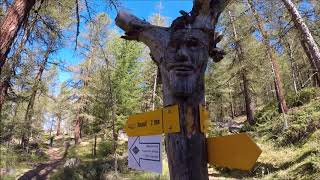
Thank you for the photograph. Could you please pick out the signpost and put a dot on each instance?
(145, 153)
(144, 147)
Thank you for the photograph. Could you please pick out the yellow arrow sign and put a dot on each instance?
(233, 151)
(160, 121)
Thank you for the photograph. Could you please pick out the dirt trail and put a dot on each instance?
(42, 170)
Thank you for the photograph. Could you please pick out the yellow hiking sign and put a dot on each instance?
(160, 121)
(234, 151)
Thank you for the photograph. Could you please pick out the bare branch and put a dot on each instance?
(155, 37)
(78, 22)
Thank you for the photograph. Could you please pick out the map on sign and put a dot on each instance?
(145, 153)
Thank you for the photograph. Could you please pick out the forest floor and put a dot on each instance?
(292, 153)
(43, 170)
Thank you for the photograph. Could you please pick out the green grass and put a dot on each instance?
(292, 153)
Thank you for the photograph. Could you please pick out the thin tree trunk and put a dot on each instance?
(95, 146)
(293, 73)
(77, 128)
(29, 112)
(16, 15)
(274, 65)
(113, 109)
(59, 119)
(154, 89)
(231, 104)
(114, 141)
(248, 100)
(316, 77)
(249, 104)
(307, 37)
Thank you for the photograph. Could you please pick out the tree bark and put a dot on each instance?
(16, 15)
(274, 65)
(307, 37)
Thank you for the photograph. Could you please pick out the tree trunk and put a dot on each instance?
(248, 100)
(232, 113)
(154, 90)
(307, 37)
(293, 69)
(5, 83)
(95, 146)
(29, 112)
(59, 119)
(181, 53)
(274, 65)
(114, 139)
(16, 15)
(316, 77)
(249, 104)
(77, 128)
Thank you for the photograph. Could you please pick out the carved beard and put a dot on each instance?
(183, 86)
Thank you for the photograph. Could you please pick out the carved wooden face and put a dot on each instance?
(185, 61)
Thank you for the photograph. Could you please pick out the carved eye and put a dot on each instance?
(192, 43)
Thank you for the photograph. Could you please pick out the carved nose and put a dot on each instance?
(182, 54)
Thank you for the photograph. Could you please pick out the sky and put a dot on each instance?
(140, 8)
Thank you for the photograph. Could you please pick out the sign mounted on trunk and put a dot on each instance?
(145, 153)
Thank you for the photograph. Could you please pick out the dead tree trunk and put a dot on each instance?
(274, 65)
(17, 14)
(181, 52)
(306, 35)
(293, 69)
(249, 104)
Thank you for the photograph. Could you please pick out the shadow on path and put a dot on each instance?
(42, 171)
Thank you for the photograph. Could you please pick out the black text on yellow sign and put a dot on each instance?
(233, 151)
(160, 121)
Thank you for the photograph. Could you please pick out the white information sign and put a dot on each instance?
(145, 153)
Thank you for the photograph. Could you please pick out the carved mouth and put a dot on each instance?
(182, 69)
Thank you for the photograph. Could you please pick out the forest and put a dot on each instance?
(71, 75)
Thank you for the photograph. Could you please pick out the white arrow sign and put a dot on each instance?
(144, 153)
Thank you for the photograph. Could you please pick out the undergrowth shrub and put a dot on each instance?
(105, 148)
(302, 97)
(302, 123)
(267, 113)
